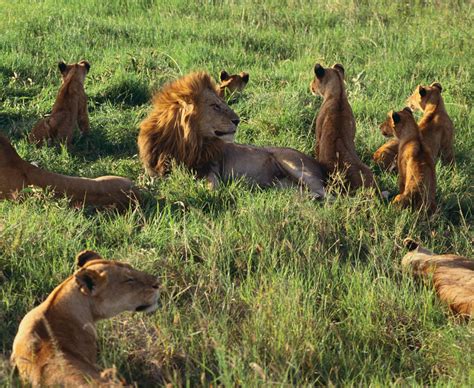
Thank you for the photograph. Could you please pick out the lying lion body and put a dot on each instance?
(56, 343)
(16, 174)
(335, 128)
(452, 277)
(416, 170)
(192, 125)
(70, 107)
(435, 126)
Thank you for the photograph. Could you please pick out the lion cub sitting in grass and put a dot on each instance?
(335, 128)
(70, 107)
(56, 343)
(435, 126)
(416, 170)
(231, 84)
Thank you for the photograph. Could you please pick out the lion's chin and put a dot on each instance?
(227, 137)
(148, 309)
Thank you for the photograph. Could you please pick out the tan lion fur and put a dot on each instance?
(69, 109)
(416, 170)
(436, 127)
(231, 84)
(335, 128)
(192, 125)
(452, 276)
(16, 174)
(56, 343)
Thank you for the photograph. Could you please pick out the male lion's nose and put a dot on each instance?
(235, 122)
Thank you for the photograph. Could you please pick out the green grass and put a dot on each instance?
(259, 286)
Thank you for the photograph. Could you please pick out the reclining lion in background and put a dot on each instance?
(435, 126)
(231, 84)
(70, 107)
(56, 343)
(452, 276)
(16, 173)
(192, 125)
(335, 128)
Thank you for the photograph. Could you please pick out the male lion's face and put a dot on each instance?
(235, 83)
(424, 95)
(115, 287)
(215, 118)
(78, 70)
(402, 123)
(327, 80)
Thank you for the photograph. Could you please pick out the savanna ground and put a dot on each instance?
(259, 286)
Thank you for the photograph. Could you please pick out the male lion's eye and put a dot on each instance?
(216, 107)
(129, 281)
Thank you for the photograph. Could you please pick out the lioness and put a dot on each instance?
(70, 107)
(56, 343)
(191, 124)
(452, 276)
(416, 170)
(16, 173)
(231, 84)
(435, 126)
(335, 128)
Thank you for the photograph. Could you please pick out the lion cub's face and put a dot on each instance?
(231, 84)
(402, 124)
(424, 95)
(216, 119)
(74, 70)
(114, 287)
(327, 80)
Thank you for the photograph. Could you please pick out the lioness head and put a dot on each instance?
(401, 124)
(114, 287)
(327, 80)
(231, 84)
(424, 95)
(74, 70)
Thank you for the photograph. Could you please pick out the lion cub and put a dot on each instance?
(335, 128)
(70, 107)
(56, 343)
(231, 84)
(435, 126)
(416, 170)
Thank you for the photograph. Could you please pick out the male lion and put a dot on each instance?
(435, 126)
(231, 84)
(191, 124)
(416, 170)
(56, 343)
(452, 276)
(70, 107)
(16, 173)
(335, 128)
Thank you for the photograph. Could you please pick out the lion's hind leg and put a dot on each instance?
(40, 132)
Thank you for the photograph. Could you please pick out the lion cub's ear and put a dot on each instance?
(90, 282)
(224, 75)
(422, 91)
(437, 85)
(245, 77)
(408, 110)
(62, 66)
(396, 117)
(86, 64)
(83, 257)
(339, 68)
(319, 70)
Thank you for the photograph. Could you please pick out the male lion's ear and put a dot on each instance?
(339, 67)
(84, 256)
(422, 91)
(224, 75)
(437, 85)
(90, 282)
(62, 66)
(319, 70)
(396, 117)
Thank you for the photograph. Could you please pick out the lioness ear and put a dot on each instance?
(224, 75)
(84, 256)
(90, 282)
(422, 91)
(319, 70)
(339, 67)
(62, 66)
(437, 85)
(396, 117)
(410, 244)
(245, 77)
